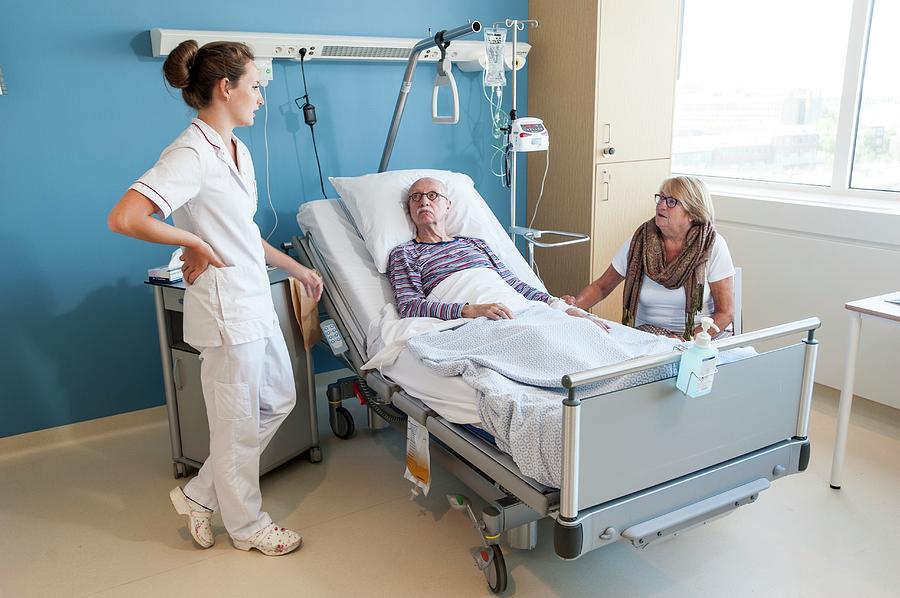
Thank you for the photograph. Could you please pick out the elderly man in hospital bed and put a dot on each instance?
(461, 311)
(417, 268)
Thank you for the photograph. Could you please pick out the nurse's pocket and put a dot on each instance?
(243, 293)
(232, 401)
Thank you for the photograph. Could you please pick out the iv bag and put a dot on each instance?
(494, 44)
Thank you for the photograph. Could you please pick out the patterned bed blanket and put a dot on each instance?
(517, 366)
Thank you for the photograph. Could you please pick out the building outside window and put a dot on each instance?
(799, 92)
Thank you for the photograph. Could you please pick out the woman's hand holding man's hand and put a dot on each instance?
(574, 311)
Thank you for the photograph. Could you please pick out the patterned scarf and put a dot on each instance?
(647, 255)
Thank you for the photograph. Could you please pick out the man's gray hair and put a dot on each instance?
(441, 186)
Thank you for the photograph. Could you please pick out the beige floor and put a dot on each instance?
(84, 512)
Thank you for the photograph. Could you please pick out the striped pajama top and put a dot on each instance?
(415, 269)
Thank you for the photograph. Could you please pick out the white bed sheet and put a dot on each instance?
(367, 291)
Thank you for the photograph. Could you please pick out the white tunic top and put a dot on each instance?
(197, 183)
(664, 307)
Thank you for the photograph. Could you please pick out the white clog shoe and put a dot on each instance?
(271, 540)
(198, 517)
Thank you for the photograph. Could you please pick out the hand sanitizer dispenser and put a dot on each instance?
(698, 364)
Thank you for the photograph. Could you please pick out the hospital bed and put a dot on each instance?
(639, 464)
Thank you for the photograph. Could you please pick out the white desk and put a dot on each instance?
(874, 308)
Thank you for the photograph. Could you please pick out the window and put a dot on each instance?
(762, 92)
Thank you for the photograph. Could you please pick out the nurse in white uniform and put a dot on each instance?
(205, 181)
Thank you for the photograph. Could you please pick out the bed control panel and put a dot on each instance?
(333, 337)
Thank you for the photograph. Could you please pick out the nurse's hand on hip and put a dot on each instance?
(197, 258)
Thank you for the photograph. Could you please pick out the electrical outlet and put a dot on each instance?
(265, 71)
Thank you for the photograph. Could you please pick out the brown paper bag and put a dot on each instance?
(307, 313)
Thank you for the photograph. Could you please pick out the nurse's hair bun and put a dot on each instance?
(197, 71)
(177, 68)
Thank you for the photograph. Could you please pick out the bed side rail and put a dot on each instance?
(578, 379)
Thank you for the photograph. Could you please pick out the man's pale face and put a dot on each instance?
(428, 212)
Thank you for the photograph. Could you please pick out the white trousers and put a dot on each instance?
(248, 390)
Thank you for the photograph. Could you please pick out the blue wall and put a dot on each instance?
(87, 113)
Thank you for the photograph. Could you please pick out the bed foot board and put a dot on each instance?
(643, 534)
(668, 509)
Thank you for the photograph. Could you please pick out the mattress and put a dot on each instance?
(366, 291)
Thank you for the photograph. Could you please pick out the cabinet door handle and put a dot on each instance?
(176, 374)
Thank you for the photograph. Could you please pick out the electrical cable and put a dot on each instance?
(385, 411)
(309, 117)
(537, 270)
(266, 144)
(318, 164)
(541, 194)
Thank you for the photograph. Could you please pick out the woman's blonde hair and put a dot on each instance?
(693, 195)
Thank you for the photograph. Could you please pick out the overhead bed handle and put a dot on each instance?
(429, 42)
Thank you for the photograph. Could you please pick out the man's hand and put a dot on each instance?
(310, 280)
(196, 259)
(568, 299)
(493, 311)
(582, 314)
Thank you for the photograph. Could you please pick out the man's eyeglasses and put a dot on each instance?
(431, 195)
(671, 202)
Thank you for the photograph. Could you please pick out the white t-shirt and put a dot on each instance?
(664, 307)
(198, 184)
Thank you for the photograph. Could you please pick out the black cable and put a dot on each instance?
(303, 72)
(318, 164)
(385, 411)
(507, 159)
(309, 117)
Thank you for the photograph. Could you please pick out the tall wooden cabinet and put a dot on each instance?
(602, 76)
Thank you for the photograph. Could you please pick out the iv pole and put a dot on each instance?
(530, 235)
(516, 26)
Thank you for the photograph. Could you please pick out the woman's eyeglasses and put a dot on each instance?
(431, 195)
(671, 202)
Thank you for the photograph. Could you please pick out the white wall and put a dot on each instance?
(802, 259)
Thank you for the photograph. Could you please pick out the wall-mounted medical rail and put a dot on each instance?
(267, 46)
(423, 46)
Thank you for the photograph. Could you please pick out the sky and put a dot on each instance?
(783, 44)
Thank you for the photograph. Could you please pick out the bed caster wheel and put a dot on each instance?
(342, 423)
(179, 470)
(315, 455)
(495, 574)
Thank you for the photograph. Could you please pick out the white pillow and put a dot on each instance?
(377, 204)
